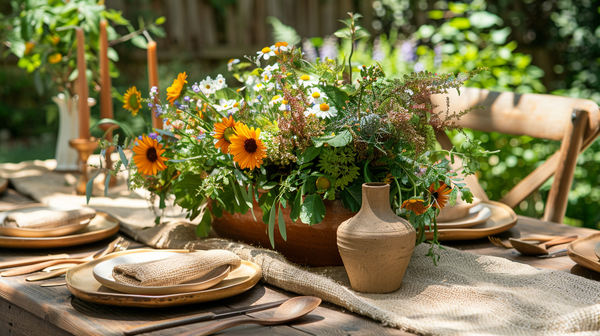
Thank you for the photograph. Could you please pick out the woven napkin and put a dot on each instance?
(45, 219)
(174, 270)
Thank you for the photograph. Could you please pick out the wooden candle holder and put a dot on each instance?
(85, 148)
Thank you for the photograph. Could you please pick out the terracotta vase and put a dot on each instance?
(311, 245)
(376, 245)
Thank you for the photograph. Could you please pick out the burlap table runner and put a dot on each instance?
(466, 294)
(36, 219)
(174, 270)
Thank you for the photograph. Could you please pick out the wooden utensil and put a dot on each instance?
(498, 242)
(535, 249)
(290, 310)
(176, 322)
(40, 266)
(34, 260)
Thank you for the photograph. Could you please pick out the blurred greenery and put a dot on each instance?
(548, 46)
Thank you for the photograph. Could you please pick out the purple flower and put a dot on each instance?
(377, 52)
(196, 88)
(309, 50)
(177, 104)
(419, 67)
(437, 59)
(150, 104)
(329, 48)
(408, 51)
(140, 137)
(153, 135)
(186, 98)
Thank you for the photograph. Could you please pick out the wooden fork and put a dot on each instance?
(40, 266)
(124, 245)
(508, 245)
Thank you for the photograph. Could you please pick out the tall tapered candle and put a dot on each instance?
(106, 103)
(153, 79)
(82, 88)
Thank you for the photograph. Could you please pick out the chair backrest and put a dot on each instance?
(573, 121)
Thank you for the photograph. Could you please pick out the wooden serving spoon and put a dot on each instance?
(527, 248)
(290, 310)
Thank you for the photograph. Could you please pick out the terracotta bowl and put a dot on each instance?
(311, 245)
(458, 211)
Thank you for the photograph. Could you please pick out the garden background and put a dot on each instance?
(529, 45)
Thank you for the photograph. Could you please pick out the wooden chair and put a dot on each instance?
(574, 121)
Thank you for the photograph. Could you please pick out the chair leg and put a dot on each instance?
(556, 204)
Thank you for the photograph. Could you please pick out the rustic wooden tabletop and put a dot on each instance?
(28, 309)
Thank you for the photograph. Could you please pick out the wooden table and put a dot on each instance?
(28, 309)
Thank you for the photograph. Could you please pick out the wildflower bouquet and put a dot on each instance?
(297, 134)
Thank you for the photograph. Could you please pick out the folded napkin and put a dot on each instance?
(45, 219)
(174, 270)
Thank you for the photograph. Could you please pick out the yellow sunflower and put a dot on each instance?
(247, 149)
(148, 157)
(440, 195)
(223, 132)
(415, 205)
(132, 100)
(174, 91)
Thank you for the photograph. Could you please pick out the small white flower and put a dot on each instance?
(285, 106)
(270, 86)
(409, 91)
(259, 86)
(265, 53)
(207, 86)
(219, 82)
(224, 105)
(276, 99)
(316, 96)
(280, 47)
(306, 80)
(322, 111)
(231, 63)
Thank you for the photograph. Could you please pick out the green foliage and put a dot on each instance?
(338, 162)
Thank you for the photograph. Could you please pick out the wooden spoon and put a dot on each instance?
(290, 310)
(597, 250)
(527, 248)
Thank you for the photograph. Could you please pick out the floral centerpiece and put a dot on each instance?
(297, 134)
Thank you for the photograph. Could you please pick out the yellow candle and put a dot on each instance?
(153, 79)
(106, 103)
(82, 88)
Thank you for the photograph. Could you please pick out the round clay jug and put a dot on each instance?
(376, 245)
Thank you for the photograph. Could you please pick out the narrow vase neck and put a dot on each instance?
(376, 197)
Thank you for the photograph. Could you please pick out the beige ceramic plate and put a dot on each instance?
(581, 251)
(103, 274)
(3, 184)
(39, 233)
(81, 283)
(477, 215)
(502, 219)
(102, 226)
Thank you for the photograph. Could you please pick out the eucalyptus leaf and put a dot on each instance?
(123, 157)
(281, 222)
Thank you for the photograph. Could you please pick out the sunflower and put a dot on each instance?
(174, 91)
(440, 195)
(148, 157)
(415, 205)
(223, 131)
(247, 149)
(132, 100)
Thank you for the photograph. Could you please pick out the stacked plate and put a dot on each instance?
(86, 231)
(93, 282)
(477, 220)
(586, 252)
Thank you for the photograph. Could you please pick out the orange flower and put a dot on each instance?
(148, 157)
(174, 91)
(223, 131)
(440, 195)
(28, 47)
(415, 205)
(247, 149)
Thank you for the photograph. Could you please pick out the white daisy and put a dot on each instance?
(265, 53)
(207, 86)
(316, 96)
(270, 86)
(276, 99)
(280, 47)
(219, 82)
(224, 105)
(322, 111)
(231, 63)
(306, 80)
(259, 86)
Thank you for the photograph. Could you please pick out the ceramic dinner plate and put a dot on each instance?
(103, 274)
(581, 251)
(81, 283)
(502, 218)
(41, 232)
(477, 215)
(100, 227)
